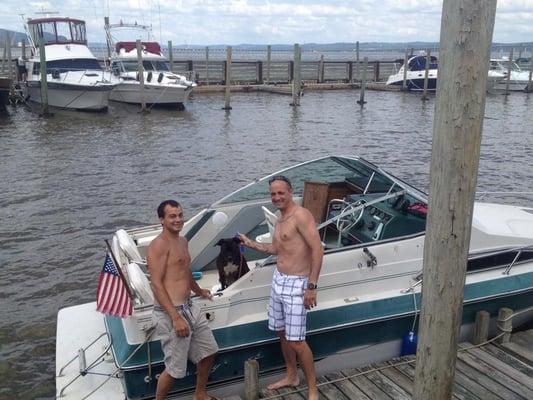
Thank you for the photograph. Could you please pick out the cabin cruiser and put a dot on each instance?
(161, 86)
(518, 79)
(372, 226)
(416, 71)
(75, 79)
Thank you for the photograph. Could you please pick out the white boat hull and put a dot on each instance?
(130, 92)
(71, 97)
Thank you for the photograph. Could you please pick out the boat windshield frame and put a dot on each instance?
(75, 29)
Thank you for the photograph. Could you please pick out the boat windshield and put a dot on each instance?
(356, 172)
(57, 31)
(419, 63)
(133, 66)
(78, 64)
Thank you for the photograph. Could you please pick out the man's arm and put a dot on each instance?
(264, 247)
(157, 265)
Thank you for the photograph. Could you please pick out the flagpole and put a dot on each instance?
(119, 269)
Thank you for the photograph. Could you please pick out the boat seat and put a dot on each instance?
(271, 220)
(140, 284)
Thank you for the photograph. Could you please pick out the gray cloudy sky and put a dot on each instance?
(275, 21)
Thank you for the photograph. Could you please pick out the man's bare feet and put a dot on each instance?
(285, 382)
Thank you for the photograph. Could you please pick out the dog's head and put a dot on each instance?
(229, 250)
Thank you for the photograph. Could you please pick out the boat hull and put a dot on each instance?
(72, 97)
(130, 92)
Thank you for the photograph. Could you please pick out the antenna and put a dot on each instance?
(160, 35)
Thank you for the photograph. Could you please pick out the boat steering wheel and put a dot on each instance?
(344, 224)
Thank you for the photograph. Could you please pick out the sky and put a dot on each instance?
(232, 22)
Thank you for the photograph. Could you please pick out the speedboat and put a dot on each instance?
(74, 77)
(161, 86)
(372, 226)
(518, 80)
(416, 70)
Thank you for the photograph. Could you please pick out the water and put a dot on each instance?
(66, 183)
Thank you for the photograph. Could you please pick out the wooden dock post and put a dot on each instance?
(357, 66)
(207, 66)
(509, 69)
(170, 56)
(269, 59)
(251, 380)
(426, 75)
(321, 69)
(405, 61)
(9, 59)
(466, 35)
(4, 56)
(44, 82)
(227, 93)
(23, 50)
(140, 73)
(296, 85)
(481, 327)
(505, 324)
(106, 26)
(361, 100)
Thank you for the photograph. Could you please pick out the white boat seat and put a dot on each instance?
(140, 284)
(271, 220)
(128, 247)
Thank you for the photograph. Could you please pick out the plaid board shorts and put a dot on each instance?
(286, 310)
(198, 345)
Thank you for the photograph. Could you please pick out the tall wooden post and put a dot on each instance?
(269, 59)
(106, 25)
(140, 73)
(227, 95)
(44, 82)
(466, 34)
(426, 75)
(9, 60)
(509, 71)
(321, 69)
(170, 56)
(296, 82)
(251, 380)
(405, 67)
(357, 66)
(4, 56)
(361, 100)
(23, 50)
(207, 65)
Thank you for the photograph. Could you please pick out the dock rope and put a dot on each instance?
(460, 349)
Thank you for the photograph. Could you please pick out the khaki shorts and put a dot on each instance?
(197, 346)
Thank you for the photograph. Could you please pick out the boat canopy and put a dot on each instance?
(57, 30)
(150, 47)
(418, 63)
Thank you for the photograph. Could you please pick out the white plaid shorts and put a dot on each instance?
(286, 311)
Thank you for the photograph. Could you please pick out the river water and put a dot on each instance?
(68, 182)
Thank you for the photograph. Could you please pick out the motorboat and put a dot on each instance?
(415, 75)
(372, 226)
(161, 86)
(75, 79)
(518, 80)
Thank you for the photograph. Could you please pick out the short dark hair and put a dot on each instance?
(161, 208)
(280, 178)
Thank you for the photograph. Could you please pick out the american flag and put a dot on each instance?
(111, 295)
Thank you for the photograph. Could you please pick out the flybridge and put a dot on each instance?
(57, 30)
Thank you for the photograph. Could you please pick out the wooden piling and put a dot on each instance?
(140, 73)
(207, 66)
(465, 41)
(505, 324)
(44, 82)
(170, 56)
(357, 66)
(481, 327)
(9, 59)
(296, 86)
(321, 69)
(361, 100)
(426, 75)
(4, 56)
(251, 380)
(269, 58)
(509, 69)
(23, 50)
(227, 94)
(405, 61)
(106, 27)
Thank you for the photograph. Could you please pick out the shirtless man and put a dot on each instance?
(182, 329)
(296, 243)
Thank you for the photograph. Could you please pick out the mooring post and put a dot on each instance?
(465, 41)
(9, 60)
(296, 87)
(361, 100)
(405, 61)
(505, 324)
(44, 82)
(520, 49)
(140, 73)
(170, 56)
(481, 327)
(227, 94)
(251, 380)
(23, 49)
(207, 65)
(509, 70)
(269, 59)
(321, 69)
(357, 66)
(4, 55)
(426, 75)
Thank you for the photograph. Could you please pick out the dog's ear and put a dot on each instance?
(219, 243)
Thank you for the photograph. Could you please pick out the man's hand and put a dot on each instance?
(205, 293)
(309, 298)
(245, 240)
(181, 327)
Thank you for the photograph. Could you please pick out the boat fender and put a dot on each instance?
(128, 246)
(409, 343)
(160, 77)
(149, 77)
(55, 73)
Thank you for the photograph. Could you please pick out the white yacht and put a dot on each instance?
(161, 86)
(74, 77)
(416, 71)
(518, 79)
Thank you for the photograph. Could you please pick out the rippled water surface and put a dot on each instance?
(67, 182)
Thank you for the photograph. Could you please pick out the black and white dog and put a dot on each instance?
(231, 263)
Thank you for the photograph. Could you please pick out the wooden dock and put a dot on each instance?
(489, 372)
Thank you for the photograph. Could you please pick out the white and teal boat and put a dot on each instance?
(372, 226)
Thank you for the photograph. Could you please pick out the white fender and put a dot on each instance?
(128, 246)
(140, 284)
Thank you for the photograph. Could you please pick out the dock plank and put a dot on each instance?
(523, 339)
(519, 351)
(366, 385)
(347, 387)
(509, 359)
(386, 384)
(329, 391)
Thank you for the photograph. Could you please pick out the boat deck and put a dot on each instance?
(492, 371)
